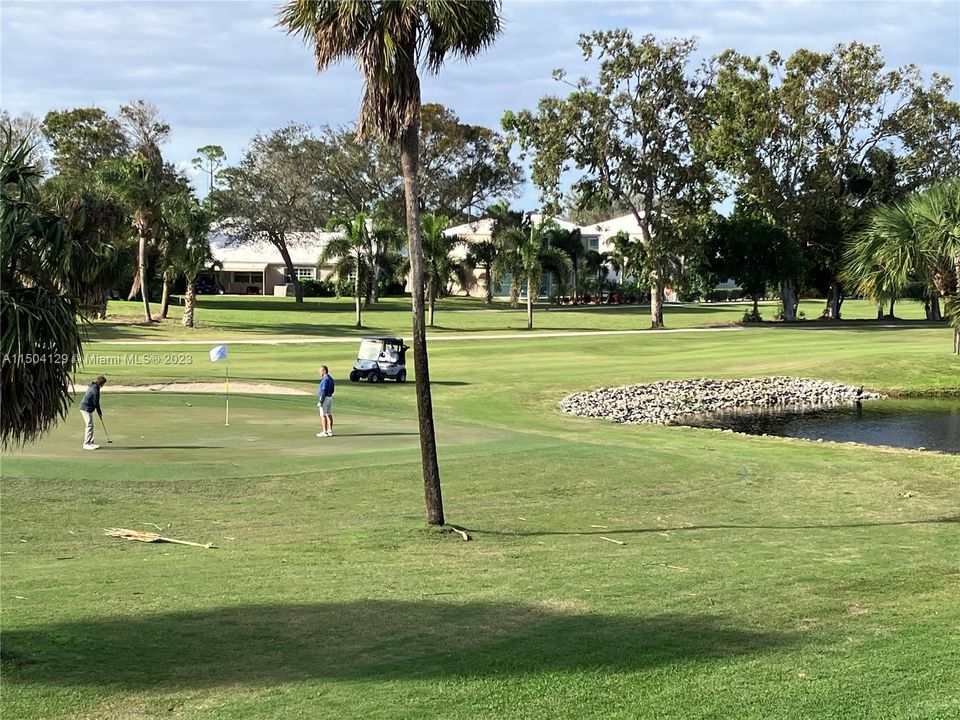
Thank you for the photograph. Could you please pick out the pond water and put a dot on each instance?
(933, 424)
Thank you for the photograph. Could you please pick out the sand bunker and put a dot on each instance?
(240, 388)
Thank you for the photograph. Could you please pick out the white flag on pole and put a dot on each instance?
(218, 353)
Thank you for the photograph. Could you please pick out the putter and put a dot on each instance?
(104, 426)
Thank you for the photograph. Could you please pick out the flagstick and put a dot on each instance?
(226, 388)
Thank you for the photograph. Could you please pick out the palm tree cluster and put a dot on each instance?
(524, 253)
(365, 255)
(914, 240)
(39, 303)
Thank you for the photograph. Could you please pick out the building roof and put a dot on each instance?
(624, 223)
(484, 226)
(304, 248)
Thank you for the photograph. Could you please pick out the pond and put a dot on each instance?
(932, 424)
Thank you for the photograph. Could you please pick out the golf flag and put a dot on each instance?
(220, 353)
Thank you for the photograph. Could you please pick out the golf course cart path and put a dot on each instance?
(431, 338)
(243, 388)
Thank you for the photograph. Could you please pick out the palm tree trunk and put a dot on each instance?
(165, 298)
(488, 299)
(431, 302)
(576, 282)
(935, 313)
(409, 149)
(373, 292)
(190, 302)
(893, 302)
(529, 304)
(142, 271)
(358, 303)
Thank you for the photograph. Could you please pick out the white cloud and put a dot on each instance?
(221, 71)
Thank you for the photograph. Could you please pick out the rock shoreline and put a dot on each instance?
(670, 401)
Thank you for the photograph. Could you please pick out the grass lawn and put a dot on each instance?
(238, 317)
(759, 577)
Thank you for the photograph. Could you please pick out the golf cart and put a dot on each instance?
(380, 358)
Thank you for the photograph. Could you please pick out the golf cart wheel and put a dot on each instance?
(402, 376)
(374, 377)
(354, 376)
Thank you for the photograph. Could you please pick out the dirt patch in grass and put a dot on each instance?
(243, 388)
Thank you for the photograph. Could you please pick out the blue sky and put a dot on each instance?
(220, 71)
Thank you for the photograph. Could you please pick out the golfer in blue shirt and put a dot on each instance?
(325, 401)
(89, 405)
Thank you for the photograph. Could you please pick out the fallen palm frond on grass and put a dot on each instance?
(151, 537)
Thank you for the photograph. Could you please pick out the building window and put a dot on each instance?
(244, 278)
(593, 243)
(302, 273)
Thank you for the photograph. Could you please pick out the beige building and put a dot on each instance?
(255, 267)
(478, 231)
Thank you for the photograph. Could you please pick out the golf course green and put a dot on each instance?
(614, 571)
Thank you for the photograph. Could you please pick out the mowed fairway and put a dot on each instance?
(759, 577)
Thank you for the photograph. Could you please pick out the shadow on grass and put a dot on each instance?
(361, 640)
(638, 531)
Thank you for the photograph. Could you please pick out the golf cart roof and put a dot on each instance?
(390, 340)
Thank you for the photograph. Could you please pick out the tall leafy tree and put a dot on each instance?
(82, 138)
(752, 251)
(209, 160)
(633, 134)
(813, 141)
(390, 41)
(27, 129)
(357, 174)
(462, 167)
(272, 193)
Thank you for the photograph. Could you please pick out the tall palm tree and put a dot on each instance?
(188, 253)
(352, 253)
(386, 242)
(194, 259)
(440, 266)
(99, 229)
(38, 316)
(526, 252)
(918, 238)
(390, 40)
(483, 255)
(508, 228)
(570, 242)
(599, 264)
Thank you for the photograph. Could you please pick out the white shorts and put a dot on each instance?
(326, 406)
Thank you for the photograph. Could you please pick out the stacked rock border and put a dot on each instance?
(671, 401)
